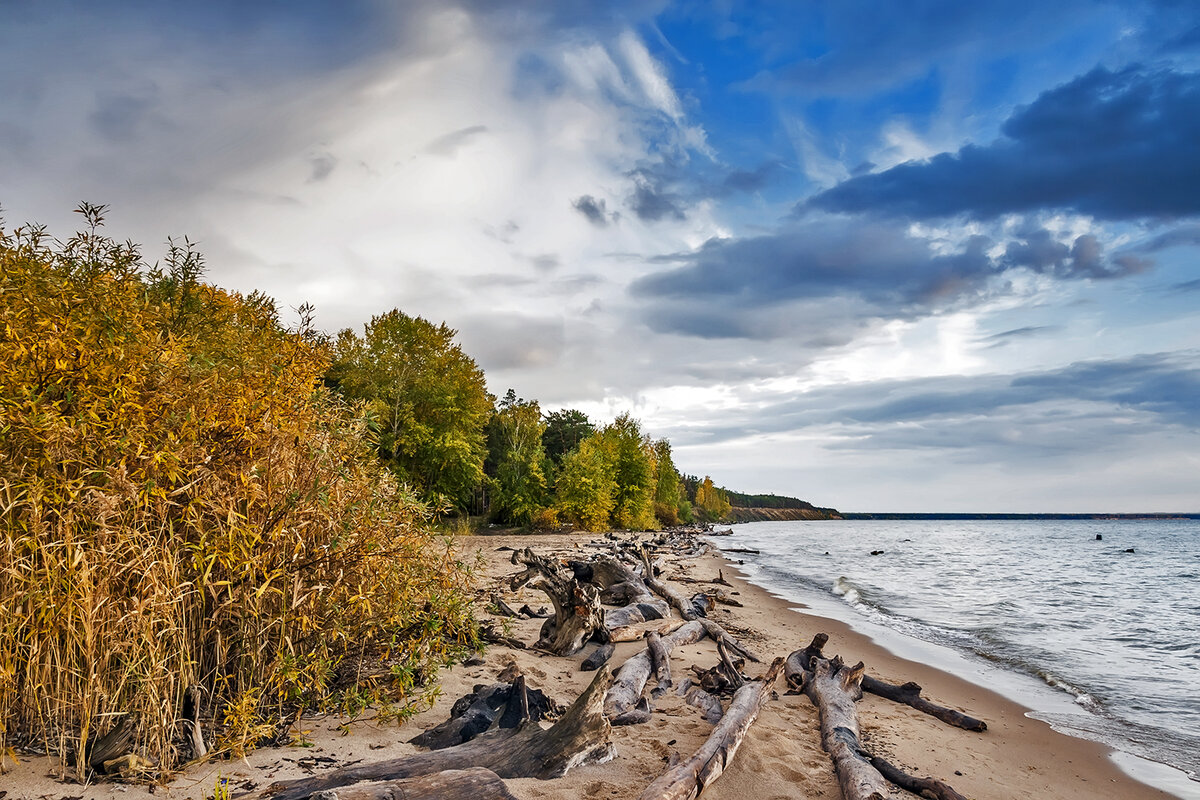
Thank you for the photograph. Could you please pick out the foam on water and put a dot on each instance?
(1116, 633)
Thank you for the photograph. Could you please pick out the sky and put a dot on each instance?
(884, 256)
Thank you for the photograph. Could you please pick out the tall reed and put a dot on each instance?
(183, 504)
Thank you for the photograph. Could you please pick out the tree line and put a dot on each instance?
(463, 450)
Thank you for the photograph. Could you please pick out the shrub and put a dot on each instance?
(185, 504)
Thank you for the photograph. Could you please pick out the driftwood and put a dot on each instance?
(910, 694)
(580, 736)
(931, 788)
(598, 658)
(682, 604)
(633, 633)
(660, 660)
(489, 633)
(504, 705)
(718, 634)
(112, 746)
(749, 550)
(637, 715)
(577, 612)
(834, 688)
(475, 783)
(632, 676)
(502, 608)
(191, 722)
(689, 778)
(696, 696)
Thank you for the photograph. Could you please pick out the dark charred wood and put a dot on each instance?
(529, 613)
(112, 745)
(931, 788)
(503, 705)
(702, 603)
(749, 550)
(910, 694)
(687, 779)
(580, 736)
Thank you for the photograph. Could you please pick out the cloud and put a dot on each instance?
(595, 210)
(733, 286)
(1114, 145)
(449, 144)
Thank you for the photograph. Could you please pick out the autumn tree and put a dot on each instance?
(711, 502)
(515, 458)
(632, 465)
(585, 491)
(426, 401)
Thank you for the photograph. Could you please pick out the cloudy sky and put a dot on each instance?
(920, 255)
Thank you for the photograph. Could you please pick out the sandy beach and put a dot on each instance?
(781, 757)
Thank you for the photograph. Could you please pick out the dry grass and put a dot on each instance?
(184, 504)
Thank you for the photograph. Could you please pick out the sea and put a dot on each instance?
(1093, 624)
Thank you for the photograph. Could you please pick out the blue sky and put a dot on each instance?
(883, 256)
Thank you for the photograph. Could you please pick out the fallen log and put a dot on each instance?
(910, 694)
(696, 696)
(718, 634)
(665, 591)
(632, 633)
(504, 705)
(660, 660)
(931, 788)
(687, 779)
(749, 550)
(834, 688)
(632, 676)
(475, 783)
(598, 658)
(580, 736)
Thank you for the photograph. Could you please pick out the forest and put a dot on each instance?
(203, 505)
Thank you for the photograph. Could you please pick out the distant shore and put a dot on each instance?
(955, 515)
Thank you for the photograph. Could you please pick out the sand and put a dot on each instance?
(781, 757)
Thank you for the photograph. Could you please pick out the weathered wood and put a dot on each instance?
(577, 612)
(719, 634)
(192, 702)
(112, 745)
(749, 550)
(833, 688)
(580, 736)
(633, 633)
(637, 715)
(910, 694)
(707, 703)
(661, 588)
(502, 608)
(733, 670)
(931, 788)
(799, 664)
(632, 676)
(475, 783)
(687, 779)
(484, 708)
(702, 603)
(598, 658)
(660, 660)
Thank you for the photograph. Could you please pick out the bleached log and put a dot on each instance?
(580, 736)
(660, 661)
(833, 688)
(475, 783)
(632, 676)
(687, 779)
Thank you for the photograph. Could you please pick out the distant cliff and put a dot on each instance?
(739, 514)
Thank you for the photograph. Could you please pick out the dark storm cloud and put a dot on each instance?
(876, 263)
(651, 201)
(1116, 145)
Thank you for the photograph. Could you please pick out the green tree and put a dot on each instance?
(585, 491)
(426, 401)
(631, 462)
(515, 457)
(668, 494)
(565, 429)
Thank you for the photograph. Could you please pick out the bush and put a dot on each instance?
(185, 504)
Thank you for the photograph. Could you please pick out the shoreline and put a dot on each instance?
(950, 665)
(1018, 758)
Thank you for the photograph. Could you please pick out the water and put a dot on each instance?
(1116, 634)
